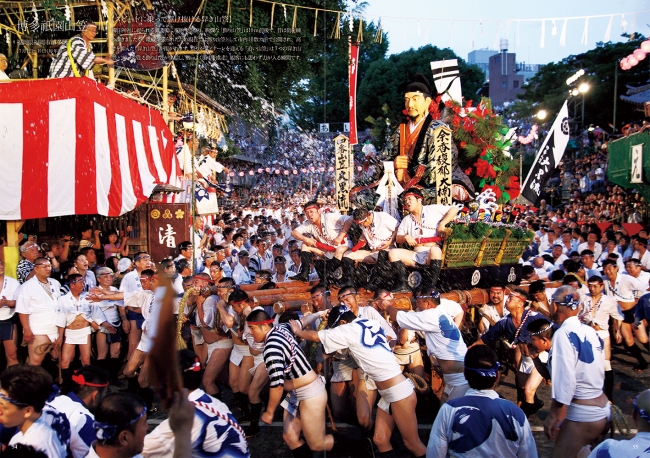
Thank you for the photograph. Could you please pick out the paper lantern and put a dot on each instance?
(623, 64)
(312, 168)
(277, 172)
(632, 60)
(232, 174)
(295, 172)
(645, 46)
(241, 174)
(639, 54)
(260, 170)
(331, 169)
(268, 170)
(359, 168)
(251, 173)
(286, 172)
(322, 169)
(303, 170)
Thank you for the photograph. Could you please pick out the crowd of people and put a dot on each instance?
(88, 319)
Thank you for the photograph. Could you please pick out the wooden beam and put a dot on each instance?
(111, 43)
(11, 251)
(165, 93)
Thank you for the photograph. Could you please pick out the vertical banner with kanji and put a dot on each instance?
(343, 173)
(352, 74)
(548, 157)
(442, 158)
(169, 225)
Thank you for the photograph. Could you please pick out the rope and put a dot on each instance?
(619, 422)
(419, 383)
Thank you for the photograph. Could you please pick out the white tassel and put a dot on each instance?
(563, 34)
(623, 23)
(104, 9)
(351, 23)
(585, 33)
(541, 42)
(554, 29)
(609, 29)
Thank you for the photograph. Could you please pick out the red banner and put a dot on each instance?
(352, 74)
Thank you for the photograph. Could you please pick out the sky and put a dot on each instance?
(457, 24)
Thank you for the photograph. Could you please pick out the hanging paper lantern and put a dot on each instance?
(260, 170)
(303, 170)
(331, 169)
(241, 174)
(639, 54)
(232, 174)
(277, 172)
(623, 64)
(268, 170)
(359, 168)
(295, 172)
(312, 168)
(632, 60)
(251, 173)
(286, 172)
(645, 46)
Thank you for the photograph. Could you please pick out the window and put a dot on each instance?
(497, 59)
(504, 85)
(515, 84)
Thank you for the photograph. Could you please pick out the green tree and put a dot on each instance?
(379, 96)
(265, 79)
(548, 88)
(324, 96)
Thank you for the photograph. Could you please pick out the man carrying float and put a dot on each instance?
(422, 230)
(328, 241)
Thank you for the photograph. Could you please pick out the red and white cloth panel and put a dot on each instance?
(71, 146)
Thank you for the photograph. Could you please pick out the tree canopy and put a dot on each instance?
(548, 88)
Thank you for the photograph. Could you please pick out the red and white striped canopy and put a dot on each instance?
(71, 146)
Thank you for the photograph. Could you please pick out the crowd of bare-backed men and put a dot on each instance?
(369, 364)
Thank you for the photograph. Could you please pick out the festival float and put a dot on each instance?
(122, 129)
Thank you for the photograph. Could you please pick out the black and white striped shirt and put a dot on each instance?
(82, 55)
(283, 357)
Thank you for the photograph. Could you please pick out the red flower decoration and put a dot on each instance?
(468, 171)
(463, 144)
(513, 187)
(484, 169)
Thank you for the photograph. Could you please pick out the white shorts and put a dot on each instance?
(342, 370)
(223, 343)
(197, 337)
(527, 365)
(238, 353)
(257, 360)
(77, 336)
(393, 394)
(292, 401)
(146, 344)
(370, 384)
(588, 414)
(50, 331)
(455, 385)
(421, 255)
